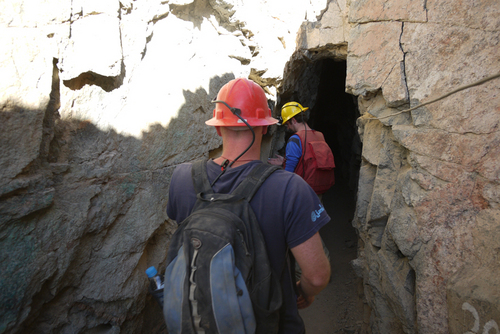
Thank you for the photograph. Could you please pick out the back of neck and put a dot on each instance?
(241, 161)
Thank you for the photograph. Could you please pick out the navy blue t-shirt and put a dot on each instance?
(288, 210)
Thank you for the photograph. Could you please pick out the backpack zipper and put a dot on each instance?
(243, 242)
(192, 289)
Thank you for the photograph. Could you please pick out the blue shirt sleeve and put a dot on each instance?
(293, 153)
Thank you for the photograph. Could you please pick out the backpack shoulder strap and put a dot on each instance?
(249, 186)
(200, 177)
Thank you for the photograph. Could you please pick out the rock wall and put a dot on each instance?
(428, 192)
(428, 200)
(101, 100)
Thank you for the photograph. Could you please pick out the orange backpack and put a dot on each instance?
(317, 163)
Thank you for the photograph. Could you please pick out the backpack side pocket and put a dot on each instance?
(231, 301)
(173, 295)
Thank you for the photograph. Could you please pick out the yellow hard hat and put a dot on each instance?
(289, 110)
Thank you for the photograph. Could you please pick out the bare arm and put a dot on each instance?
(315, 269)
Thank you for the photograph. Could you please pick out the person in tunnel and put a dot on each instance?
(287, 210)
(307, 154)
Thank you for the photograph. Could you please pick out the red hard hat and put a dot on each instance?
(247, 96)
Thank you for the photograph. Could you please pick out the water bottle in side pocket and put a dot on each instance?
(155, 285)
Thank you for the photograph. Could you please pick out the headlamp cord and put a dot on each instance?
(225, 165)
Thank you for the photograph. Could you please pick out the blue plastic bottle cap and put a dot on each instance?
(151, 272)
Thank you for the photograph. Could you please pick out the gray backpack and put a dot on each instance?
(218, 277)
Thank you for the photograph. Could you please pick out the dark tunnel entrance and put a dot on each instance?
(334, 114)
(321, 87)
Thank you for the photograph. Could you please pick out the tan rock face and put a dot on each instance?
(446, 183)
(374, 60)
(372, 11)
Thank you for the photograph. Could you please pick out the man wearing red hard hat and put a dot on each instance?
(287, 210)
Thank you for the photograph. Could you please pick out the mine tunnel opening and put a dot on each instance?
(334, 112)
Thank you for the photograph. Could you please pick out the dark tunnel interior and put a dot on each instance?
(334, 114)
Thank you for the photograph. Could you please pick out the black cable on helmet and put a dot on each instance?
(237, 113)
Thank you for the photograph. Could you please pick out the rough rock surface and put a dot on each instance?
(100, 100)
(428, 185)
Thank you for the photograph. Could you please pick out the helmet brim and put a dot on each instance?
(252, 122)
(289, 117)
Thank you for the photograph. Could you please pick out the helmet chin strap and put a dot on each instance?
(237, 113)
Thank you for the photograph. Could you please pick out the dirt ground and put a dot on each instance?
(338, 308)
